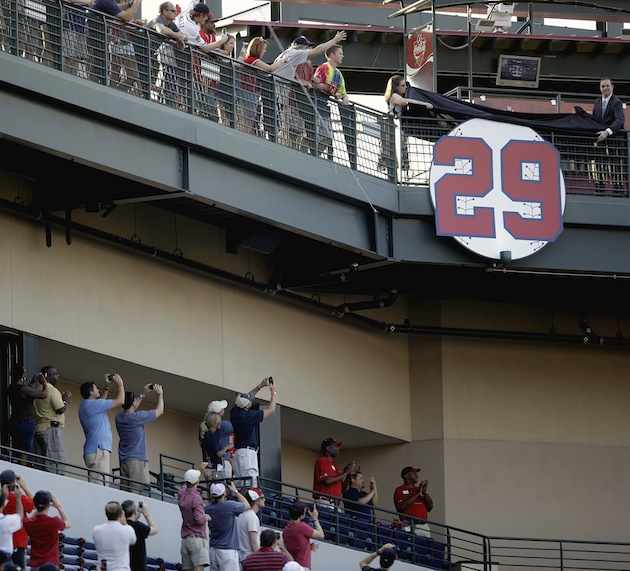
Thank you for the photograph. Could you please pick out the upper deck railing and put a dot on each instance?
(215, 87)
(346, 523)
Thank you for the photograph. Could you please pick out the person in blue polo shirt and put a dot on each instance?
(95, 422)
(245, 422)
(132, 448)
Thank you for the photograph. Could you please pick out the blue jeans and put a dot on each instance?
(22, 433)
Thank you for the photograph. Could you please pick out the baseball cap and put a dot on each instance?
(192, 476)
(254, 495)
(217, 406)
(217, 490)
(7, 477)
(292, 566)
(387, 557)
(330, 441)
(302, 41)
(243, 400)
(201, 8)
(408, 469)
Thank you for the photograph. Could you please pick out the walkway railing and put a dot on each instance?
(429, 543)
(143, 63)
(588, 168)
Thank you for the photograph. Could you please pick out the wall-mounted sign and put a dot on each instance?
(497, 189)
(419, 50)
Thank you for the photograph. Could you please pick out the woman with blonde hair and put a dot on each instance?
(217, 439)
(396, 101)
(249, 92)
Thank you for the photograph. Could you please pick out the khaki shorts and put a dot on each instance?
(194, 552)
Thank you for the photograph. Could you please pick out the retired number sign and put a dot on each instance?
(496, 188)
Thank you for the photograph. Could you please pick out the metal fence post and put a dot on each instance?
(191, 99)
(233, 94)
(61, 34)
(106, 48)
(486, 549)
(16, 17)
(149, 64)
(561, 557)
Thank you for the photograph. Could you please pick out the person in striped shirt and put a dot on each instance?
(272, 556)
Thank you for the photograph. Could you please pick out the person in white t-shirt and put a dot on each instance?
(248, 525)
(113, 539)
(291, 127)
(10, 523)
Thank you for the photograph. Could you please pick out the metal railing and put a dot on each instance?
(545, 101)
(349, 524)
(143, 63)
(587, 168)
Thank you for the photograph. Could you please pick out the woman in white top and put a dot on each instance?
(396, 102)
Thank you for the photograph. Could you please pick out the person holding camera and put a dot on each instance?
(22, 397)
(272, 556)
(132, 448)
(246, 422)
(18, 496)
(138, 551)
(413, 499)
(10, 523)
(113, 539)
(222, 524)
(387, 557)
(217, 439)
(297, 534)
(43, 530)
(50, 417)
(95, 422)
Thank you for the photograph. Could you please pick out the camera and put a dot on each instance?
(109, 378)
(140, 505)
(151, 387)
(270, 379)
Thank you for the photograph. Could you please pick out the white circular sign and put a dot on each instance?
(496, 188)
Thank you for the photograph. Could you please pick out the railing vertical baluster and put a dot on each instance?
(61, 34)
(315, 100)
(448, 544)
(106, 50)
(486, 549)
(627, 164)
(161, 477)
(149, 64)
(191, 63)
(233, 66)
(561, 557)
(16, 18)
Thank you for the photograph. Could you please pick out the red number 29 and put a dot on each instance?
(544, 189)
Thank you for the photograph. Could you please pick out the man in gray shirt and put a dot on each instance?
(222, 524)
(292, 98)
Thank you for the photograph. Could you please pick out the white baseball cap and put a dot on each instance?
(217, 490)
(292, 566)
(243, 400)
(217, 406)
(254, 495)
(192, 476)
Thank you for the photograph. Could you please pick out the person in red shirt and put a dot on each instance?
(20, 538)
(297, 535)
(44, 530)
(327, 478)
(412, 499)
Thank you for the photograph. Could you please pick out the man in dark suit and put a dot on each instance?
(608, 110)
